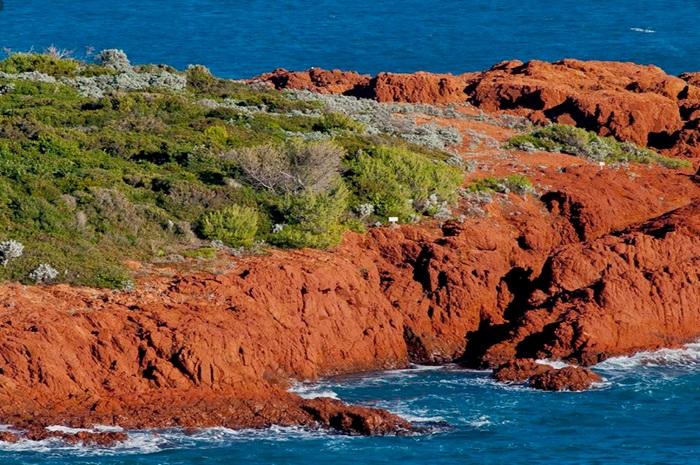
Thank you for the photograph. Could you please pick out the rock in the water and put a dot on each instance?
(565, 379)
(519, 370)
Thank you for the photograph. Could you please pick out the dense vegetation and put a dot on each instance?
(86, 183)
(587, 144)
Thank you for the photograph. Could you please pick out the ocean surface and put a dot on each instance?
(242, 38)
(646, 412)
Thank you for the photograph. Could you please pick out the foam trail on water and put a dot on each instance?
(642, 30)
(144, 442)
(686, 356)
(558, 364)
(312, 391)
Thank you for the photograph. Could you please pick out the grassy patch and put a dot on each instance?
(575, 141)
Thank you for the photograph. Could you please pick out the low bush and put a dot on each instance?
(310, 219)
(330, 122)
(203, 84)
(401, 183)
(41, 62)
(235, 225)
(43, 274)
(290, 168)
(10, 250)
(576, 141)
(514, 183)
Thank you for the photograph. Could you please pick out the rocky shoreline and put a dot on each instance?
(598, 261)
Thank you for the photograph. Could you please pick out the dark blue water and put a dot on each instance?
(644, 413)
(241, 38)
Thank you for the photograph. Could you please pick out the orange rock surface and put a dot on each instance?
(600, 261)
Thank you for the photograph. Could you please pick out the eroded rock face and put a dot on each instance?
(599, 262)
(321, 81)
(420, 88)
(628, 101)
(614, 295)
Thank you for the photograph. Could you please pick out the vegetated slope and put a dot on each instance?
(100, 163)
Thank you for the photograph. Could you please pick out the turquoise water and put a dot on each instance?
(241, 38)
(644, 413)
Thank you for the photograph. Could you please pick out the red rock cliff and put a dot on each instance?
(600, 262)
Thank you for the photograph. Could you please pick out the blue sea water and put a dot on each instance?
(242, 38)
(645, 412)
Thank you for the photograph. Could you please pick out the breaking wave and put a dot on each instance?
(687, 356)
(144, 442)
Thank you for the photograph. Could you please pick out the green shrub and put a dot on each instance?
(41, 62)
(217, 135)
(330, 122)
(310, 219)
(235, 226)
(206, 253)
(514, 183)
(576, 141)
(399, 182)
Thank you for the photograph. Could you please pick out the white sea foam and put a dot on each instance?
(145, 442)
(642, 30)
(686, 356)
(413, 414)
(557, 364)
(312, 391)
(480, 422)
(325, 387)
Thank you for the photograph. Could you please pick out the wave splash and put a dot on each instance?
(144, 442)
(642, 30)
(687, 356)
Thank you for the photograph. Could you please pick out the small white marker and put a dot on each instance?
(393, 219)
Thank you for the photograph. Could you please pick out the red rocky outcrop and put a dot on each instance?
(546, 377)
(641, 104)
(601, 262)
(565, 379)
(319, 80)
